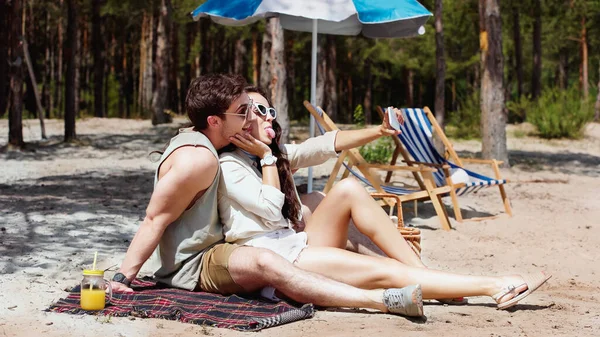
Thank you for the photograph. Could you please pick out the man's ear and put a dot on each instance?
(213, 121)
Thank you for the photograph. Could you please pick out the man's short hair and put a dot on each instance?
(211, 95)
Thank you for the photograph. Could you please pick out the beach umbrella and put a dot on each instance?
(372, 18)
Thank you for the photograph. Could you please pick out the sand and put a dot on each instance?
(59, 203)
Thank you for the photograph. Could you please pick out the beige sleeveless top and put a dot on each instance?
(177, 259)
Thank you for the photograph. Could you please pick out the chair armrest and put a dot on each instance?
(385, 167)
(480, 161)
(439, 166)
(492, 162)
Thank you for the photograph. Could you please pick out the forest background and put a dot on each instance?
(135, 59)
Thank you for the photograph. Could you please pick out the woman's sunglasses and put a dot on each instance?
(263, 110)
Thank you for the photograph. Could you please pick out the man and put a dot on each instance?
(182, 226)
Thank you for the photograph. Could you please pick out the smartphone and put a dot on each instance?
(393, 119)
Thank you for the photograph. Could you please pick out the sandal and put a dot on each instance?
(532, 281)
(407, 301)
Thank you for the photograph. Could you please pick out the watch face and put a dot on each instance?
(269, 160)
(118, 277)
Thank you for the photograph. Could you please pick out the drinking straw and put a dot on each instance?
(95, 257)
(94, 265)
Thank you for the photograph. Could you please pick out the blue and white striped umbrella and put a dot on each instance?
(374, 18)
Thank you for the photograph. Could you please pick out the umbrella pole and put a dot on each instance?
(313, 94)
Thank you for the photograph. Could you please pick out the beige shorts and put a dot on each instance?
(215, 277)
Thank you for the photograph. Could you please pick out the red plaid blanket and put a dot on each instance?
(155, 301)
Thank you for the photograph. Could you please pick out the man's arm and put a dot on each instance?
(350, 139)
(189, 172)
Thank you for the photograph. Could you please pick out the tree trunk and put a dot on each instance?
(97, 50)
(29, 105)
(563, 63)
(240, 52)
(15, 114)
(453, 103)
(59, 65)
(71, 77)
(79, 60)
(585, 85)
(83, 65)
(273, 75)
(119, 73)
(190, 34)
(49, 64)
(110, 70)
(536, 84)
(597, 114)
(4, 45)
(290, 64)
(331, 96)
(127, 76)
(161, 67)
(410, 88)
(146, 67)
(205, 53)
(493, 118)
(367, 99)
(174, 80)
(518, 49)
(256, 54)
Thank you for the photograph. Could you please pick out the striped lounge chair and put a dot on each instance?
(353, 163)
(415, 144)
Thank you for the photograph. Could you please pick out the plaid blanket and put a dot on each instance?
(155, 301)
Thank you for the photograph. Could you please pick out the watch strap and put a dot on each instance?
(121, 278)
(269, 159)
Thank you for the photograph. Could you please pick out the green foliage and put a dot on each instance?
(379, 151)
(466, 120)
(113, 97)
(359, 116)
(517, 110)
(561, 114)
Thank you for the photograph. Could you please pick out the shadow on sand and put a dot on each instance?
(565, 162)
(61, 213)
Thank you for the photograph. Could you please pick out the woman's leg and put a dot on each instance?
(357, 242)
(348, 199)
(368, 272)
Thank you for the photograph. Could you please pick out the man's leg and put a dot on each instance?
(254, 268)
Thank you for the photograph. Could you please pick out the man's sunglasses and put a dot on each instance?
(247, 108)
(263, 110)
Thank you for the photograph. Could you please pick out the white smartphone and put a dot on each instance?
(393, 119)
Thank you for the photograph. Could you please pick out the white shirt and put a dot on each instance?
(247, 207)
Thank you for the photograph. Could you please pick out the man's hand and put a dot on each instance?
(120, 287)
(386, 129)
(250, 144)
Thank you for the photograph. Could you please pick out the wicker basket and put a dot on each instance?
(412, 235)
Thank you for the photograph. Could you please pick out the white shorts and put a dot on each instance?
(285, 242)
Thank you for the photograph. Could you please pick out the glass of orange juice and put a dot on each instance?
(93, 290)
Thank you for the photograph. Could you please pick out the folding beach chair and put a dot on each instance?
(367, 173)
(416, 140)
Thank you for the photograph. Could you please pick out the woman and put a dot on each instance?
(259, 206)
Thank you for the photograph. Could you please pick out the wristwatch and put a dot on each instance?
(268, 160)
(119, 277)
